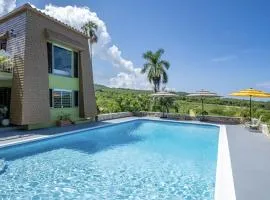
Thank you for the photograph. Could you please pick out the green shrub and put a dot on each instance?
(217, 111)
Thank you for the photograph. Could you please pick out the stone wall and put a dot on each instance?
(176, 116)
(222, 119)
(173, 116)
(109, 116)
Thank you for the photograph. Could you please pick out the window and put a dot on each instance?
(62, 99)
(3, 44)
(62, 61)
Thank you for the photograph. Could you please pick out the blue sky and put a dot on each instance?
(217, 45)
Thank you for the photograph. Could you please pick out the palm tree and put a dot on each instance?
(90, 28)
(156, 68)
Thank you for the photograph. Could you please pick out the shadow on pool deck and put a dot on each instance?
(10, 135)
(250, 157)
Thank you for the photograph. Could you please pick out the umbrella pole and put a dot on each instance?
(250, 114)
(202, 106)
(163, 107)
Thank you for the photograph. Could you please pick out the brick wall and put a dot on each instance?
(16, 48)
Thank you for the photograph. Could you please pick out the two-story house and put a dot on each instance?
(51, 71)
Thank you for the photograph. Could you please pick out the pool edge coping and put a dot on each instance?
(224, 183)
(224, 188)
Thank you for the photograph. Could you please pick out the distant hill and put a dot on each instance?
(99, 87)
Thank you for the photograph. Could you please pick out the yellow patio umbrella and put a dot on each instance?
(251, 93)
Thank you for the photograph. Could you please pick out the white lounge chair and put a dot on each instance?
(254, 124)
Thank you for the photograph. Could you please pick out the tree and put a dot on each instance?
(90, 29)
(2, 59)
(3, 56)
(156, 68)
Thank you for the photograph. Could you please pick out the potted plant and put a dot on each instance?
(64, 120)
(3, 116)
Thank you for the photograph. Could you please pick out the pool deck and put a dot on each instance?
(250, 159)
(249, 151)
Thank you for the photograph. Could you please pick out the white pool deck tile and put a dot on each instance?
(249, 154)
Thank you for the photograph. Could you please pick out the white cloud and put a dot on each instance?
(77, 17)
(117, 59)
(129, 76)
(116, 56)
(6, 6)
(129, 80)
(224, 58)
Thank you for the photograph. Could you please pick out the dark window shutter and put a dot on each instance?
(76, 98)
(51, 100)
(49, 49)
(3, 44)
(76, 64)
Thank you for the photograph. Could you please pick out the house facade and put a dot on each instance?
(50, 74)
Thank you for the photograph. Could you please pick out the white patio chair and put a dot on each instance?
(254, 124)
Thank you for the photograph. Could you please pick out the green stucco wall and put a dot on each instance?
(6, 83)
(66, 83)
(5, 79)
(61, 82)
(57, 112)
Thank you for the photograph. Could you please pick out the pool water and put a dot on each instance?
(141, 159)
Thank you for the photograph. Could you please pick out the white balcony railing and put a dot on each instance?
(6, 66)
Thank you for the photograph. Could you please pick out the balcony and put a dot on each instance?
(6, 67)
(6, 70)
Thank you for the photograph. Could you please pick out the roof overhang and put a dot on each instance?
(29, 7)
(63, 39)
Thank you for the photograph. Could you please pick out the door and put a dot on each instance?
(5, 94)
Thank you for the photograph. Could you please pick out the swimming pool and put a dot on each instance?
(141, 159)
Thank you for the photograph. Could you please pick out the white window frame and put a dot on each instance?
(62, 90)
